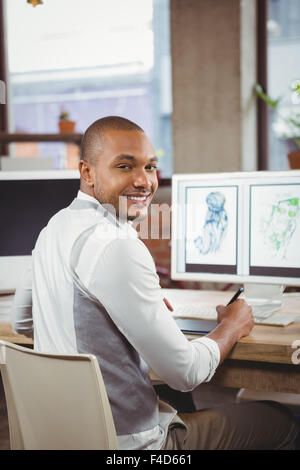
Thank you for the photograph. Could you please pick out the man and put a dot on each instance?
(95, 290)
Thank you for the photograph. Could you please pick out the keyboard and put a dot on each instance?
(261, 316)
(195, 311)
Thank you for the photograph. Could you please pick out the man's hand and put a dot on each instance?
(234, 322)
(238, 313)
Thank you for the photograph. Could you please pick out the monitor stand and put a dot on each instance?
(264, 298)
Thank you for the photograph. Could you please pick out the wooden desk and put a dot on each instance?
(260, 361)
(6, 332)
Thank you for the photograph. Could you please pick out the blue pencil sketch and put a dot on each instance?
(215, 226)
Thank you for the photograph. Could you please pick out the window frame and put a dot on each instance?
(6, 136)
(3, 77)
(262, 79)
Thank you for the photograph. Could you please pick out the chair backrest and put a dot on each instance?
(55, 401)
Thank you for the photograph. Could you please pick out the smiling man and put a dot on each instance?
(95, 290)
(118, 167)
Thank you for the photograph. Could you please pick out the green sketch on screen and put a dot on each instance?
(279, 228)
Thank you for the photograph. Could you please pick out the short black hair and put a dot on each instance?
(93, 139)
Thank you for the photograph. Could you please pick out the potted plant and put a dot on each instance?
(65, 124)
(287, 123)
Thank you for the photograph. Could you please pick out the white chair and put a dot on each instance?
(56, 402)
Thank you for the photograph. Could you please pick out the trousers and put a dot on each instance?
(257, 425)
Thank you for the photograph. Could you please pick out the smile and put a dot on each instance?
(137, 198)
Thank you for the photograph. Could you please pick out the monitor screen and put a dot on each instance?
(27, 201)
(237, 227)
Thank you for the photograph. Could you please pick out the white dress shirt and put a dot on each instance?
(95, 289)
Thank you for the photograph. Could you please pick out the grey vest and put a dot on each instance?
(132, 398)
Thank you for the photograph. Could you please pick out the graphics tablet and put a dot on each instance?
(195, 326)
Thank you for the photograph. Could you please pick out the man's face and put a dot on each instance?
(125, 173)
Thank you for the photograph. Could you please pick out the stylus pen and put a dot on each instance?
(236, 295)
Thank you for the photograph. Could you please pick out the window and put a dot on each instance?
(91, 58)
(283, 69)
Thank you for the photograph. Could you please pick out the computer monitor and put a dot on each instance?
(28, 199)
(238, 228)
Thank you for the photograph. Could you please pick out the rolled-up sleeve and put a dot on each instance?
(21, 313)
(132, 296)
